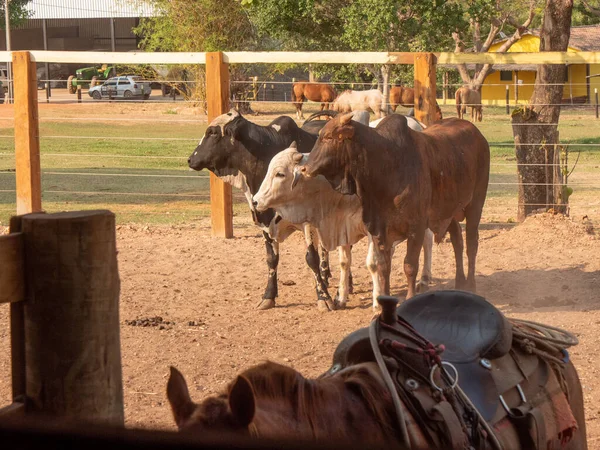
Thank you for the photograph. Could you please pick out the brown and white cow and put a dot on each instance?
(408, 181)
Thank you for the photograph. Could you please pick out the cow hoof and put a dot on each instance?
(325, 305)
(266, 303)
(340, 305)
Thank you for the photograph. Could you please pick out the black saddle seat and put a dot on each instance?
(468, 325)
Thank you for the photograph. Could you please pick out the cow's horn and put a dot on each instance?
(297, 176)
(346, 118)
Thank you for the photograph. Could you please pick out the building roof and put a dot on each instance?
(585, 38)
(89, 9)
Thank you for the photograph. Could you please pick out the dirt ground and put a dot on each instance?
(204, 289)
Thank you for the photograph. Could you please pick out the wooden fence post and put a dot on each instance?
(27, 141)
(425, 87)
(217, 97)
(73, 357)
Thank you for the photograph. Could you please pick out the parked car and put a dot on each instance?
(121, 87)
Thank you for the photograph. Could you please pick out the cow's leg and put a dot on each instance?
(383, 256)
(345, 252)
(272, 247)
(324, 264)
(372, 267)
(350, 281)
(473, 216)
(426, 277)
(457, 243)
(414, 243)
(324, 301)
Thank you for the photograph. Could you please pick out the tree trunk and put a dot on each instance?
(535, 127)
(385, 75)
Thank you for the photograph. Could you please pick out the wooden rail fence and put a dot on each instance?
(217, 66)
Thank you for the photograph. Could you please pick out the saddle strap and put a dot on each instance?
(453, 429)
(529, 423)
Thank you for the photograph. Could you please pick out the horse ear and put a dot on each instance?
(179, 397)
(241, 401)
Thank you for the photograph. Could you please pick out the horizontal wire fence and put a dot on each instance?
(131, 156)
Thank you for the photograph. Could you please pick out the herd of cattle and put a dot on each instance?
(342, 179)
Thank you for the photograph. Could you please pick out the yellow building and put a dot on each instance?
(520, 79)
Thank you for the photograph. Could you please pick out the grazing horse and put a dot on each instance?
(459, 377)
(349, 101)
(465, 96)
(400, 95)
(315, 92)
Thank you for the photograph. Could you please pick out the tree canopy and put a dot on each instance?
(18, 13)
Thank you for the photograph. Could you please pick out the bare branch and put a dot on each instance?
(593, 9)
(462, 68)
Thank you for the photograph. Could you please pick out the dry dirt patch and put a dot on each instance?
(546, 269)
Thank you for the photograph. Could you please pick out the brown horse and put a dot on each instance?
(352, 401)
(465, 96)
(400, 95)
(315, 92)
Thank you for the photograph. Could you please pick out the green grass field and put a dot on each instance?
(138, 169)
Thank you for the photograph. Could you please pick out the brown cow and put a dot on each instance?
(315, 92)
(408, 181)
(465, 96)
(400, 95)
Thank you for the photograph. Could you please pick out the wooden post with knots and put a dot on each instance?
(73, 357)
(217, 97)
(425, 87)
(27, 141)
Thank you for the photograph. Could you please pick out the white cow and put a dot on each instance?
(349, 101)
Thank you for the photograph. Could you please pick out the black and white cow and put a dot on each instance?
(239, 151)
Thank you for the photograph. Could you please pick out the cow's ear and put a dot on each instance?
(294, 145)
(241, 401)
(297, 157)
(179, 397)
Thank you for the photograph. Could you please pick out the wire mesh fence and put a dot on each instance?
(131, 155)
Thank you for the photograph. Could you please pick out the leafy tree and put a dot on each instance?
(200, 26)
(18, 13)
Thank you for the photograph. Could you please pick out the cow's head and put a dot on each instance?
(331, 157)
(282, 176)
(219, 142)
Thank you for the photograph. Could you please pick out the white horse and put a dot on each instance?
(349, 101)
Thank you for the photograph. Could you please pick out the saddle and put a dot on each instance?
(475, 348)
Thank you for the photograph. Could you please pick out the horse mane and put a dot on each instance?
(311, 397)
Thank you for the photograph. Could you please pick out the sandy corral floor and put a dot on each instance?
(205, 289)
